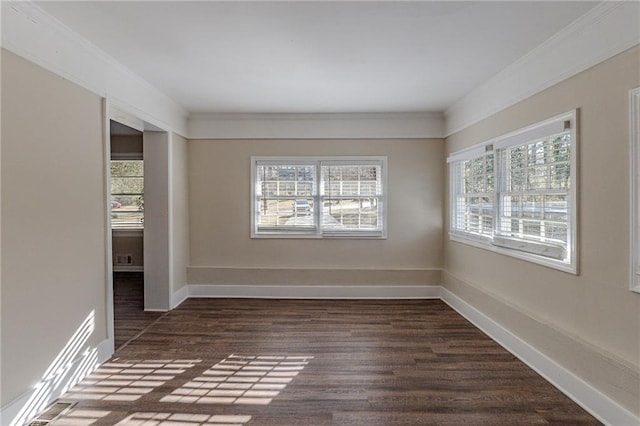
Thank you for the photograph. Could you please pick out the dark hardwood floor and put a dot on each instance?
(329, 362)
(128, 310)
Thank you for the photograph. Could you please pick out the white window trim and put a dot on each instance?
(634, 136)
(517, 137)
(318, 233)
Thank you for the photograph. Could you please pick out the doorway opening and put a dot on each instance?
(127, 233)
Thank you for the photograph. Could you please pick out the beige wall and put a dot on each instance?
(219, 185)
(180, 211)
(126, 144)
(53, 220)
(128, 242)
(594, 312)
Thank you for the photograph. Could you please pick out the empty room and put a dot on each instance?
(320, 213)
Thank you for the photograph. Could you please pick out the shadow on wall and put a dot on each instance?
(63, 373)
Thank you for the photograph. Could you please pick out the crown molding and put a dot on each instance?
(316, 126)
(30, 32)
(605, 31)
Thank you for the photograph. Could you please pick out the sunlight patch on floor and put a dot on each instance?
(120, 380)
(81, 417)
(253, 380)
(178, 419)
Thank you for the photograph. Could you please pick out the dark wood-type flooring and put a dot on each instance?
(128, 311)
(328, 362)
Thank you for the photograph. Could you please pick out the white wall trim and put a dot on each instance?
(106, 173)
(316, 126)
(599, 405)
(128, 269)
(33, 34)
(25, 407)
(607, 30)
(634, 138)
(316, 291)
(179, 296)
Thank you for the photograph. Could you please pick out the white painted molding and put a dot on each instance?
(634, 138)
(607, 30)
(316, 126)
(33, 34)
(599, 405)
(316, 291)
(108, 239)
(179, 296)
(127, 233)
(125, 268)
(30, 404)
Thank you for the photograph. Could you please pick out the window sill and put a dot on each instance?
(316, 236)
(529, 257)
(127, 232)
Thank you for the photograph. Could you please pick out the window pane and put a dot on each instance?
(127, 185)
(352, 197)
(285, 197)
(286, 213)
(127, 168)
(536, 190)
(347, 180)
(474, 187)
(127, 193)
(352, 214)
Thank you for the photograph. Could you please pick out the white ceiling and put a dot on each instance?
(316, 57)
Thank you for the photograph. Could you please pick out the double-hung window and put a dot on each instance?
(318, 197)
(473, 194)
(516, 194)
(127, 193)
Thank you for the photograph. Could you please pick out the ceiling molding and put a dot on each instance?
(33, 34)
(316, 126)
(608, 29)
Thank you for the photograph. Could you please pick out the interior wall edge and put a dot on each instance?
(613, 377)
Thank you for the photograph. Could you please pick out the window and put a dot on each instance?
(127, 193)
(473, 196)
(516, 194)
(318, 197)
(635, 188)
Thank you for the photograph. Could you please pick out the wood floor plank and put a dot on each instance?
(316, 362)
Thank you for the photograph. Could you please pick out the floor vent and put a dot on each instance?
(51, 413)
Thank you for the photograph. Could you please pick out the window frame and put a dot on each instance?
(318, 232)
(125, 156)
(497, 145)
(634, 138)
(462, 156)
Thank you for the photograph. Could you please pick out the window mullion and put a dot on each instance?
(318, 199)
(498, 186)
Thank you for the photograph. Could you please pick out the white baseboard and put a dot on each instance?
(179, 296)
(34, 401)
(599, 405)
(317, 291)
